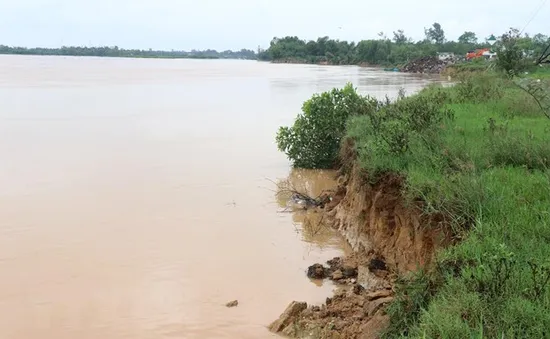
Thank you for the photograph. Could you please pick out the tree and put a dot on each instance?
(374, 52)
(314, 139)
(435, 34)
(509, 53)
(399, 37)
(468, 38)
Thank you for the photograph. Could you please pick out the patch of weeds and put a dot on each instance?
(479, 88)
(413, 295)
(519, 152)
(540, 276)
(491, 276)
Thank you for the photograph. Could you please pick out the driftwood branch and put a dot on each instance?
(300, 198)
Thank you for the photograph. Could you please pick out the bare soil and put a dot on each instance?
(353, 312)
(389, 237)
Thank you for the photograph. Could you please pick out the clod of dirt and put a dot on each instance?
(335, 263)
(377, 264)
(316, 271)
(233, 303)
(341, 270)
(357, 289)
(348, 315)
(349, 271)
(372, 307)
(378, 268)
(337, 275)
(288, 317)
(379, 294)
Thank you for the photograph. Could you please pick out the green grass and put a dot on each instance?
(480, 153)
(476, 65)
(541, 72)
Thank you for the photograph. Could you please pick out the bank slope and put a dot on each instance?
(477, 154)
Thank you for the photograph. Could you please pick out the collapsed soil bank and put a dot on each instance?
(389, 236)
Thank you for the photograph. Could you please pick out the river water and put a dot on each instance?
(136, 196)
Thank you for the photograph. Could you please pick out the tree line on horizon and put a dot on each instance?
(398, 49)
(130, 53)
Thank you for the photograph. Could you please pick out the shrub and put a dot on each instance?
(314, 139)
(414, 293)
(520, 152)
(478, 88)
(388, 138)
(510, 55)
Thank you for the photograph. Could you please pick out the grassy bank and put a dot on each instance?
(541, 72)
(478, 153)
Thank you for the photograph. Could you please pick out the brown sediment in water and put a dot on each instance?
(389, 237)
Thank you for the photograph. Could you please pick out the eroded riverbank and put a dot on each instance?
(387, 237)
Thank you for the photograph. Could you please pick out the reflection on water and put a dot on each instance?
(310, 223)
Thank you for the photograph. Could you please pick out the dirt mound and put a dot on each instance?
(428, 64)
(353, 313)
(341, 270)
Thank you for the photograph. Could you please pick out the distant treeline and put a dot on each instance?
(130, 53)
(383, 51)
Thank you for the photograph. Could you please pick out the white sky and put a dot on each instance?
(235, 24)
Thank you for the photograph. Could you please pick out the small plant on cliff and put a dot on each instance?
(314, 139)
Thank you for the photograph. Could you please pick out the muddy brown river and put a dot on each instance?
(137, 196)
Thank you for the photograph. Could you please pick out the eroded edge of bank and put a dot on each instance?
(389, 236)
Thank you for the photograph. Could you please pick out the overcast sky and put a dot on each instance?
(235, 24)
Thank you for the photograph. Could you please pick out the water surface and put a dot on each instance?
(136, 196)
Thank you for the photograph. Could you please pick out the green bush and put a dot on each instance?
(478, 88)
(314, 139)
(392, 136)
(510, 57)
(520, 152)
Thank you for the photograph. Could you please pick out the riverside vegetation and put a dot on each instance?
(396, 50)
(129, 53)
(477, 153)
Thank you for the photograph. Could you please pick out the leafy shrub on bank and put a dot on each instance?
(387, 138)
(314, 139)
(478, 88)
(510, 58)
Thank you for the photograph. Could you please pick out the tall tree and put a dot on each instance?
(435, 33)
(468, 38)
(509, 53)
(399, 37)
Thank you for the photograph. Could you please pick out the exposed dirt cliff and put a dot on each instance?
(389, 236)
(377, 221)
